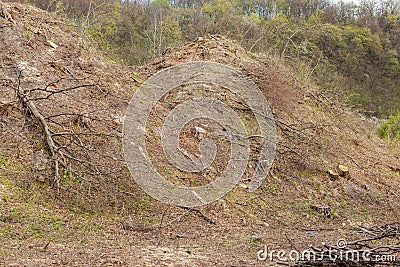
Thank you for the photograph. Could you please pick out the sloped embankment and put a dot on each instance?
(53, 79)
(316, 134)
(73, 195)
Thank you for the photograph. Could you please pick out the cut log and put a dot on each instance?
(343, 171)
(333, 175)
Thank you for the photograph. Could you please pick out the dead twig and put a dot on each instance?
(354, 253)
(204, 216)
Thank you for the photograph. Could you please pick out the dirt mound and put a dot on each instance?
(67, 191)
(269, 73)
(62, 106)
(317, 133)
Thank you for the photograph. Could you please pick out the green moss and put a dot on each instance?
(3, 160)
(4, 252)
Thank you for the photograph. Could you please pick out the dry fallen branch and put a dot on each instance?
(204, 216)
(72, 135)
(187, 211)
(45, 127)
(362, 252)
(52, 92)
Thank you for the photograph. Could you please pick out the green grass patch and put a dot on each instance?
(390, 129)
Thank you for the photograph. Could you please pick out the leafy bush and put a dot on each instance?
(390, 128)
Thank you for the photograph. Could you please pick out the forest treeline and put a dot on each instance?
(351, 49)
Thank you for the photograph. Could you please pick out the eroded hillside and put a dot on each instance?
(67, 196)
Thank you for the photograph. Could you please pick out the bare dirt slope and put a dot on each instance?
(77, 206)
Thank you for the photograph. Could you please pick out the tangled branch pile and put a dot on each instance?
(362, 252)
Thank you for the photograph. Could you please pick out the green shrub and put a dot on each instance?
(390, 128)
